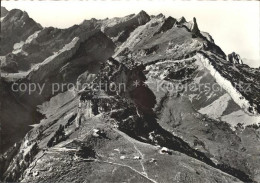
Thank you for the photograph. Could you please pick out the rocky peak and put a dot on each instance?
(4, 11)
(234, 58)
(182, 20)
(143, 17)
(142, 12)
(16, 27)
(194, 28)
(168, 24)
(16, 14)
(119, 29)
(170, 19)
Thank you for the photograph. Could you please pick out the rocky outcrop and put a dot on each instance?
(17, 26)
(195, 29)
(192, 26)
(234, 58)
(207, 36)
(182, 20)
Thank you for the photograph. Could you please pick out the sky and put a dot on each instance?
(234, 25)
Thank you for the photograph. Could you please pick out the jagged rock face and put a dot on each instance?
(168, 24)
(121, 31)
(84, 53)
(80, 55)
(234, 58)
(191, 26)
(148, 132)
(29, 50)
(175, 43)
(16, 26)
(43, 44)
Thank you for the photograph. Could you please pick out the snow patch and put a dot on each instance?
(32, 37)
(18, 48)
(18, 45)
(216, 108)
(20, 51)
(240, 117)
(2, 18)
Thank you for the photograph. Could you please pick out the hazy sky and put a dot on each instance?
(234, 25)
